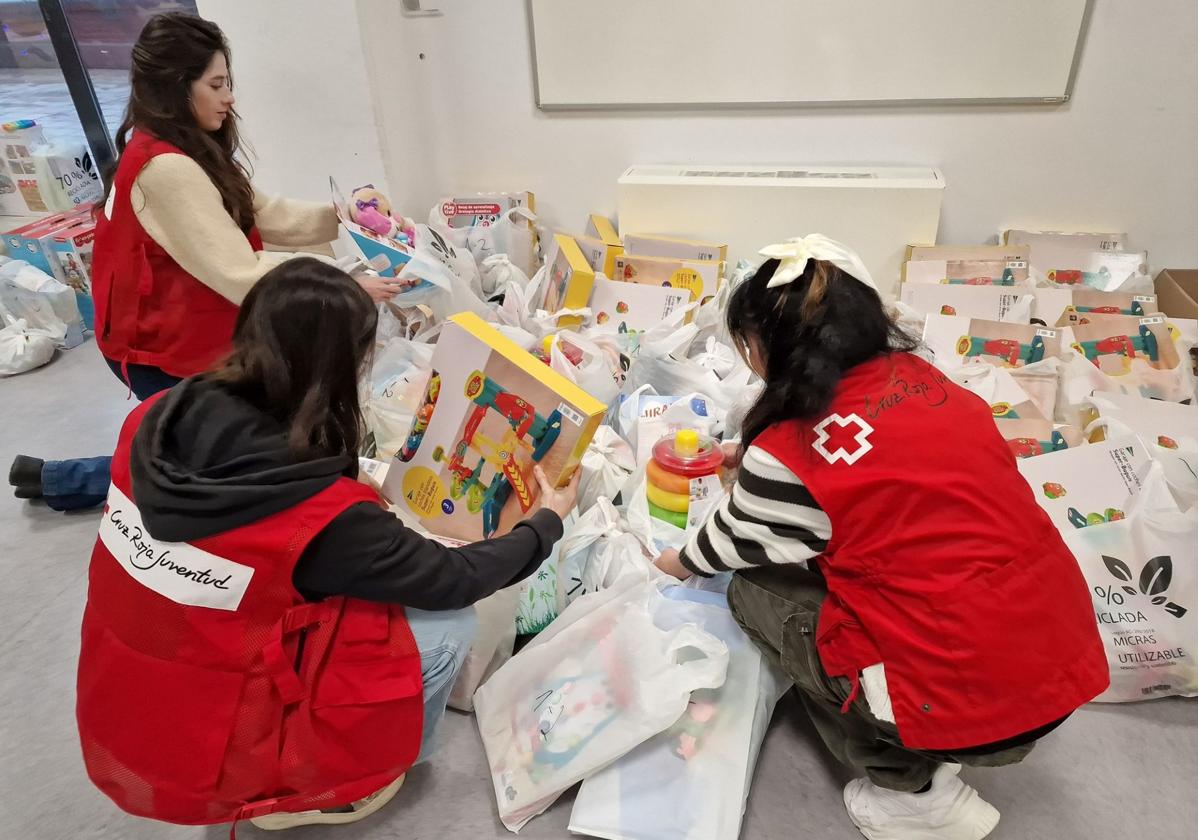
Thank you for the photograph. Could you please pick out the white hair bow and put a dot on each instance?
(793, 255)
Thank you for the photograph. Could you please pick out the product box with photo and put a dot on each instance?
(491, 413)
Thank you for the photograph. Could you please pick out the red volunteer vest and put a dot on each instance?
(210, 691)
(941, 565)
(149, 311)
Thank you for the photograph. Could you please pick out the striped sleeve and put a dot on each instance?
(769, 518)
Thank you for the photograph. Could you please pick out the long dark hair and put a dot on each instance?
(810, 333)
(303, 337)
(172, 51)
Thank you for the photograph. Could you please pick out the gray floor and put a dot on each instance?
(1111, 773)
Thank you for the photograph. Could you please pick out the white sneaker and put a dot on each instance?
(951, 810)
(358, 810)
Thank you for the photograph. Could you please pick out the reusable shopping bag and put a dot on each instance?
(1090, 484)
(596, 552)
(606, 466)
(600, 680)
(22, 349)
(692, 781)
(493, 645)
(1142, 571)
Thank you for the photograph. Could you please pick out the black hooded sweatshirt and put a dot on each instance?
(205, 461)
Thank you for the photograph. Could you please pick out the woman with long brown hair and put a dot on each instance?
(179, 238)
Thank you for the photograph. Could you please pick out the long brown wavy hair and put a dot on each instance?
(173, 51)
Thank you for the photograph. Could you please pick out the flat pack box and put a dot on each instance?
(876, 210)
(1177, 292)
(491, 412)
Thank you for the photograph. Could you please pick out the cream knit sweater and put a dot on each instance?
(181, 210)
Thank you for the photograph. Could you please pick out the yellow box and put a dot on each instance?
(601, 228)
(491, 412)
(570, 281)
(701, 277)
(599, 254)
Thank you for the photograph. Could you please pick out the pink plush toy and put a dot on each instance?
(371, 209)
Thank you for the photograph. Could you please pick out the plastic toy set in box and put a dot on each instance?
(491, 412)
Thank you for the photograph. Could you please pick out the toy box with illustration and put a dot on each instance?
(1086, 305)
(994, 303)
(1113, 342)
(483, 209)
(491, 413)
(1028, 438)
(679, 249)
(20, 184)
(34, 242)
(385, 254)
(968, 272)
(1007, 397)
(570, 280)
(1003, 253)
(700, 277)
(599, 254)
(1065, 252)
(632, 307)
(71, 254)
(961, 340)
(1088, 485)
(1107, 271)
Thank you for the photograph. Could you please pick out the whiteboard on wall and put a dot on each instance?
(652, 53)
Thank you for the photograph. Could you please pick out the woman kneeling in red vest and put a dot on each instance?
(889, 555)
(262, 638)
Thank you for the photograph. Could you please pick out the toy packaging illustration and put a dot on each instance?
(1028, 438)
(570, 280)
(968, 272)
(1086, 305)
(700, 277)
(1007, 397)
(992, 303)
(1073, 259)
(1115, 343)
(601, 244)
(491, 412)
(483, 209)
(631, 307)
(1107, 271)
(1088, 485)
(968, 253)
(956, 338)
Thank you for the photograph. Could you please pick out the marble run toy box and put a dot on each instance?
(490, 413)
(957, 340)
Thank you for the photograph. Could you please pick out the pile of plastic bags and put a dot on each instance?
(37, 314)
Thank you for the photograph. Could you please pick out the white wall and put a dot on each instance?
(1120, 156)
(303, 93)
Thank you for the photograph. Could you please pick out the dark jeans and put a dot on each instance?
(779, 610)
(83, 482)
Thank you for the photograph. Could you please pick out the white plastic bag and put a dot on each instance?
(45, 305)
(498, 272)
(399, 378)
(22, 349)
(599, 372)
(1143, 576)
(596, 552)
(606, 466)
(513, 234)
(692, 781)
(600, 680)
(493, 645)
(457, 286)
(1168, 430)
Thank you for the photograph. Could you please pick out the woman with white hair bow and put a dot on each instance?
(888, 553)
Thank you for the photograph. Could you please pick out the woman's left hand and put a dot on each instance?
(380, 289)
(670, 563)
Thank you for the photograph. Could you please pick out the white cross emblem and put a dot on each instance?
(848, 445)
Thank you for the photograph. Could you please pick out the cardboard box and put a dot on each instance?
(70, 254)
(20, 186)
(599, 254)
(494, 412)
(993, 303)
(1006, 253)
(1177, 292)
(669, 246)
(967, 272)
(483, 208)
(33, 242)
(1088, 485)
(570, 281)
(700, 277)
(1112, 342)
(633, 307)
(1107, 271)
(957, 340)
(1086, 305)
(1058, 251)
(1031, 438)
(600, 227)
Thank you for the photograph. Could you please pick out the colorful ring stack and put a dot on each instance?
(676, 460)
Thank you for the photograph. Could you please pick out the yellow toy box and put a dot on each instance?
(570, 280)
(491, 412)
(700, 277)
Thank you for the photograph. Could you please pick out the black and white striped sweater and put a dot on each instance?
(769, 518)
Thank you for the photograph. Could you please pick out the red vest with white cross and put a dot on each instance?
(209, 690)
(941, 565)
(149, 311)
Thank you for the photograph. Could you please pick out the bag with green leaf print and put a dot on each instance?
(1143, 577)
